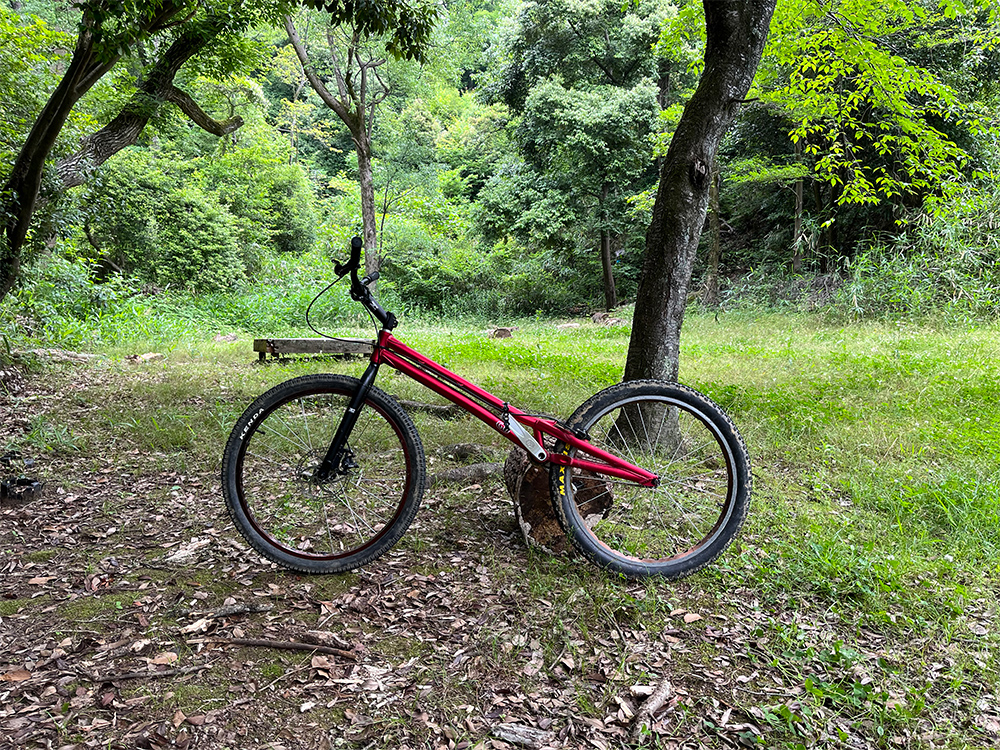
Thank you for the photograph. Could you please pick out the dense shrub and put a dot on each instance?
(459, 278)
(292, 214)
(949, 263)
(155, 226)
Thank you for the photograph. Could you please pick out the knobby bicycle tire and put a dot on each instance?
(322, 526)
(703, 493)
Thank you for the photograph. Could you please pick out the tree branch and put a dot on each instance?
(286, 645)
(318, 86)
(198, 116)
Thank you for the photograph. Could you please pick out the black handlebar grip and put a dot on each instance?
(355, 262)
(356, 245)
(372, 278)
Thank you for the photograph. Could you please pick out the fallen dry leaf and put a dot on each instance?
(198, 626)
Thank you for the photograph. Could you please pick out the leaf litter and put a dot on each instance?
(131, 615)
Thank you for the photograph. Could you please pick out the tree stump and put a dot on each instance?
(529, 488)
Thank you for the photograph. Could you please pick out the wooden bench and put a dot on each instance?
(278, 348)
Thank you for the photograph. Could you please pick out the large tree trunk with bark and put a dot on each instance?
(736, 35)
(21, 189)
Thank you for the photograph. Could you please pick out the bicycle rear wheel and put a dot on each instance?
(699, 504)
(322, 526)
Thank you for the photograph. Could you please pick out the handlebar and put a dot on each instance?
(359, 287)
(355, 262)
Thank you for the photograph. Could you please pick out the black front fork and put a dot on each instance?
(338, 460)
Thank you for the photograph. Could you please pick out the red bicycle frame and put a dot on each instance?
(484, 406)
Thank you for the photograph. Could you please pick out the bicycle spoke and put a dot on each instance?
(271, 431)
(673, 518)
(305, 422)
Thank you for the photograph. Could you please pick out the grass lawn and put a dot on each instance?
(857, 609)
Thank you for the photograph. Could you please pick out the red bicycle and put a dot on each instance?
(324, 473)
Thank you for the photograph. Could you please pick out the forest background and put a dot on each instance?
(513, 172)
(843, 313)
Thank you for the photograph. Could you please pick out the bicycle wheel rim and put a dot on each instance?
(674, 528)
(328, 521)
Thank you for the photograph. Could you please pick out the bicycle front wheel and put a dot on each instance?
(701, 498)
(331, 525)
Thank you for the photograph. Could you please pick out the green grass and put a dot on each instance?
(872, 546)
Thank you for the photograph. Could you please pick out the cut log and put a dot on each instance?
(528, 486)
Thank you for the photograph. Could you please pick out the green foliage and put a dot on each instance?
(29, 49)
(195, 241)
(291, 205)
(491, 212)
(875, 120)
(162, 230)
(503, 283)
(474, 143)
(602, 42)
(407, 24)
(59, 304)
(949, 263)
(601, 131)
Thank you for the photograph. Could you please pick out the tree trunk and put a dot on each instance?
(610, 296)
(368, 220)
(736, 34)
(21, 190)
(711, 294)
(20, 193)
(355, 105)
(797, 223)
